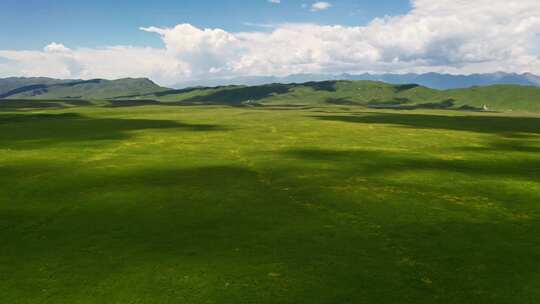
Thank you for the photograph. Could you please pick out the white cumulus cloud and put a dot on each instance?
(320, 6)
(56, 48)
(454, 36)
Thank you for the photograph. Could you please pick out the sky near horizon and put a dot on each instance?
(171, 41)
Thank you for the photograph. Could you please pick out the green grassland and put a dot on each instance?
(121, 202)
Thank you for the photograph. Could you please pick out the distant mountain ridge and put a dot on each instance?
(48, 88)
(430, 80)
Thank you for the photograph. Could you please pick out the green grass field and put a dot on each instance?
(216, 204)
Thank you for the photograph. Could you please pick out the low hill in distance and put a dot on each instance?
(46, 88)
(12, 83)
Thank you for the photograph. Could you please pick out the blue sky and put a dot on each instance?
(31, 24)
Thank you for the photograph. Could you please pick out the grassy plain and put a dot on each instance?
(216, 204)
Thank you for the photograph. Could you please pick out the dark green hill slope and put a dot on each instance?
(325, 92)
(364, 93)
(85, 89)
(13, 83)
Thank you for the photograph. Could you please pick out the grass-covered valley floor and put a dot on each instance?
(216, 204)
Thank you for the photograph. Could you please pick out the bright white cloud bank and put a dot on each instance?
(455, 36)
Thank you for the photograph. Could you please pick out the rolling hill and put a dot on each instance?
(374, 94)
(45, 88)
(13, 83)
(363, 93)
(431, 80)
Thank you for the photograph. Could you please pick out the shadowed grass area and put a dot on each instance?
(158, 204)
(36, 130)
(28, 105)
(378, 162)
(480, 123)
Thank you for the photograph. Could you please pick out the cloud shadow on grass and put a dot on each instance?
(38, 130)
(513, 145)
(21, 105)
(481, 124)
(377, 163)
(219, 224)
